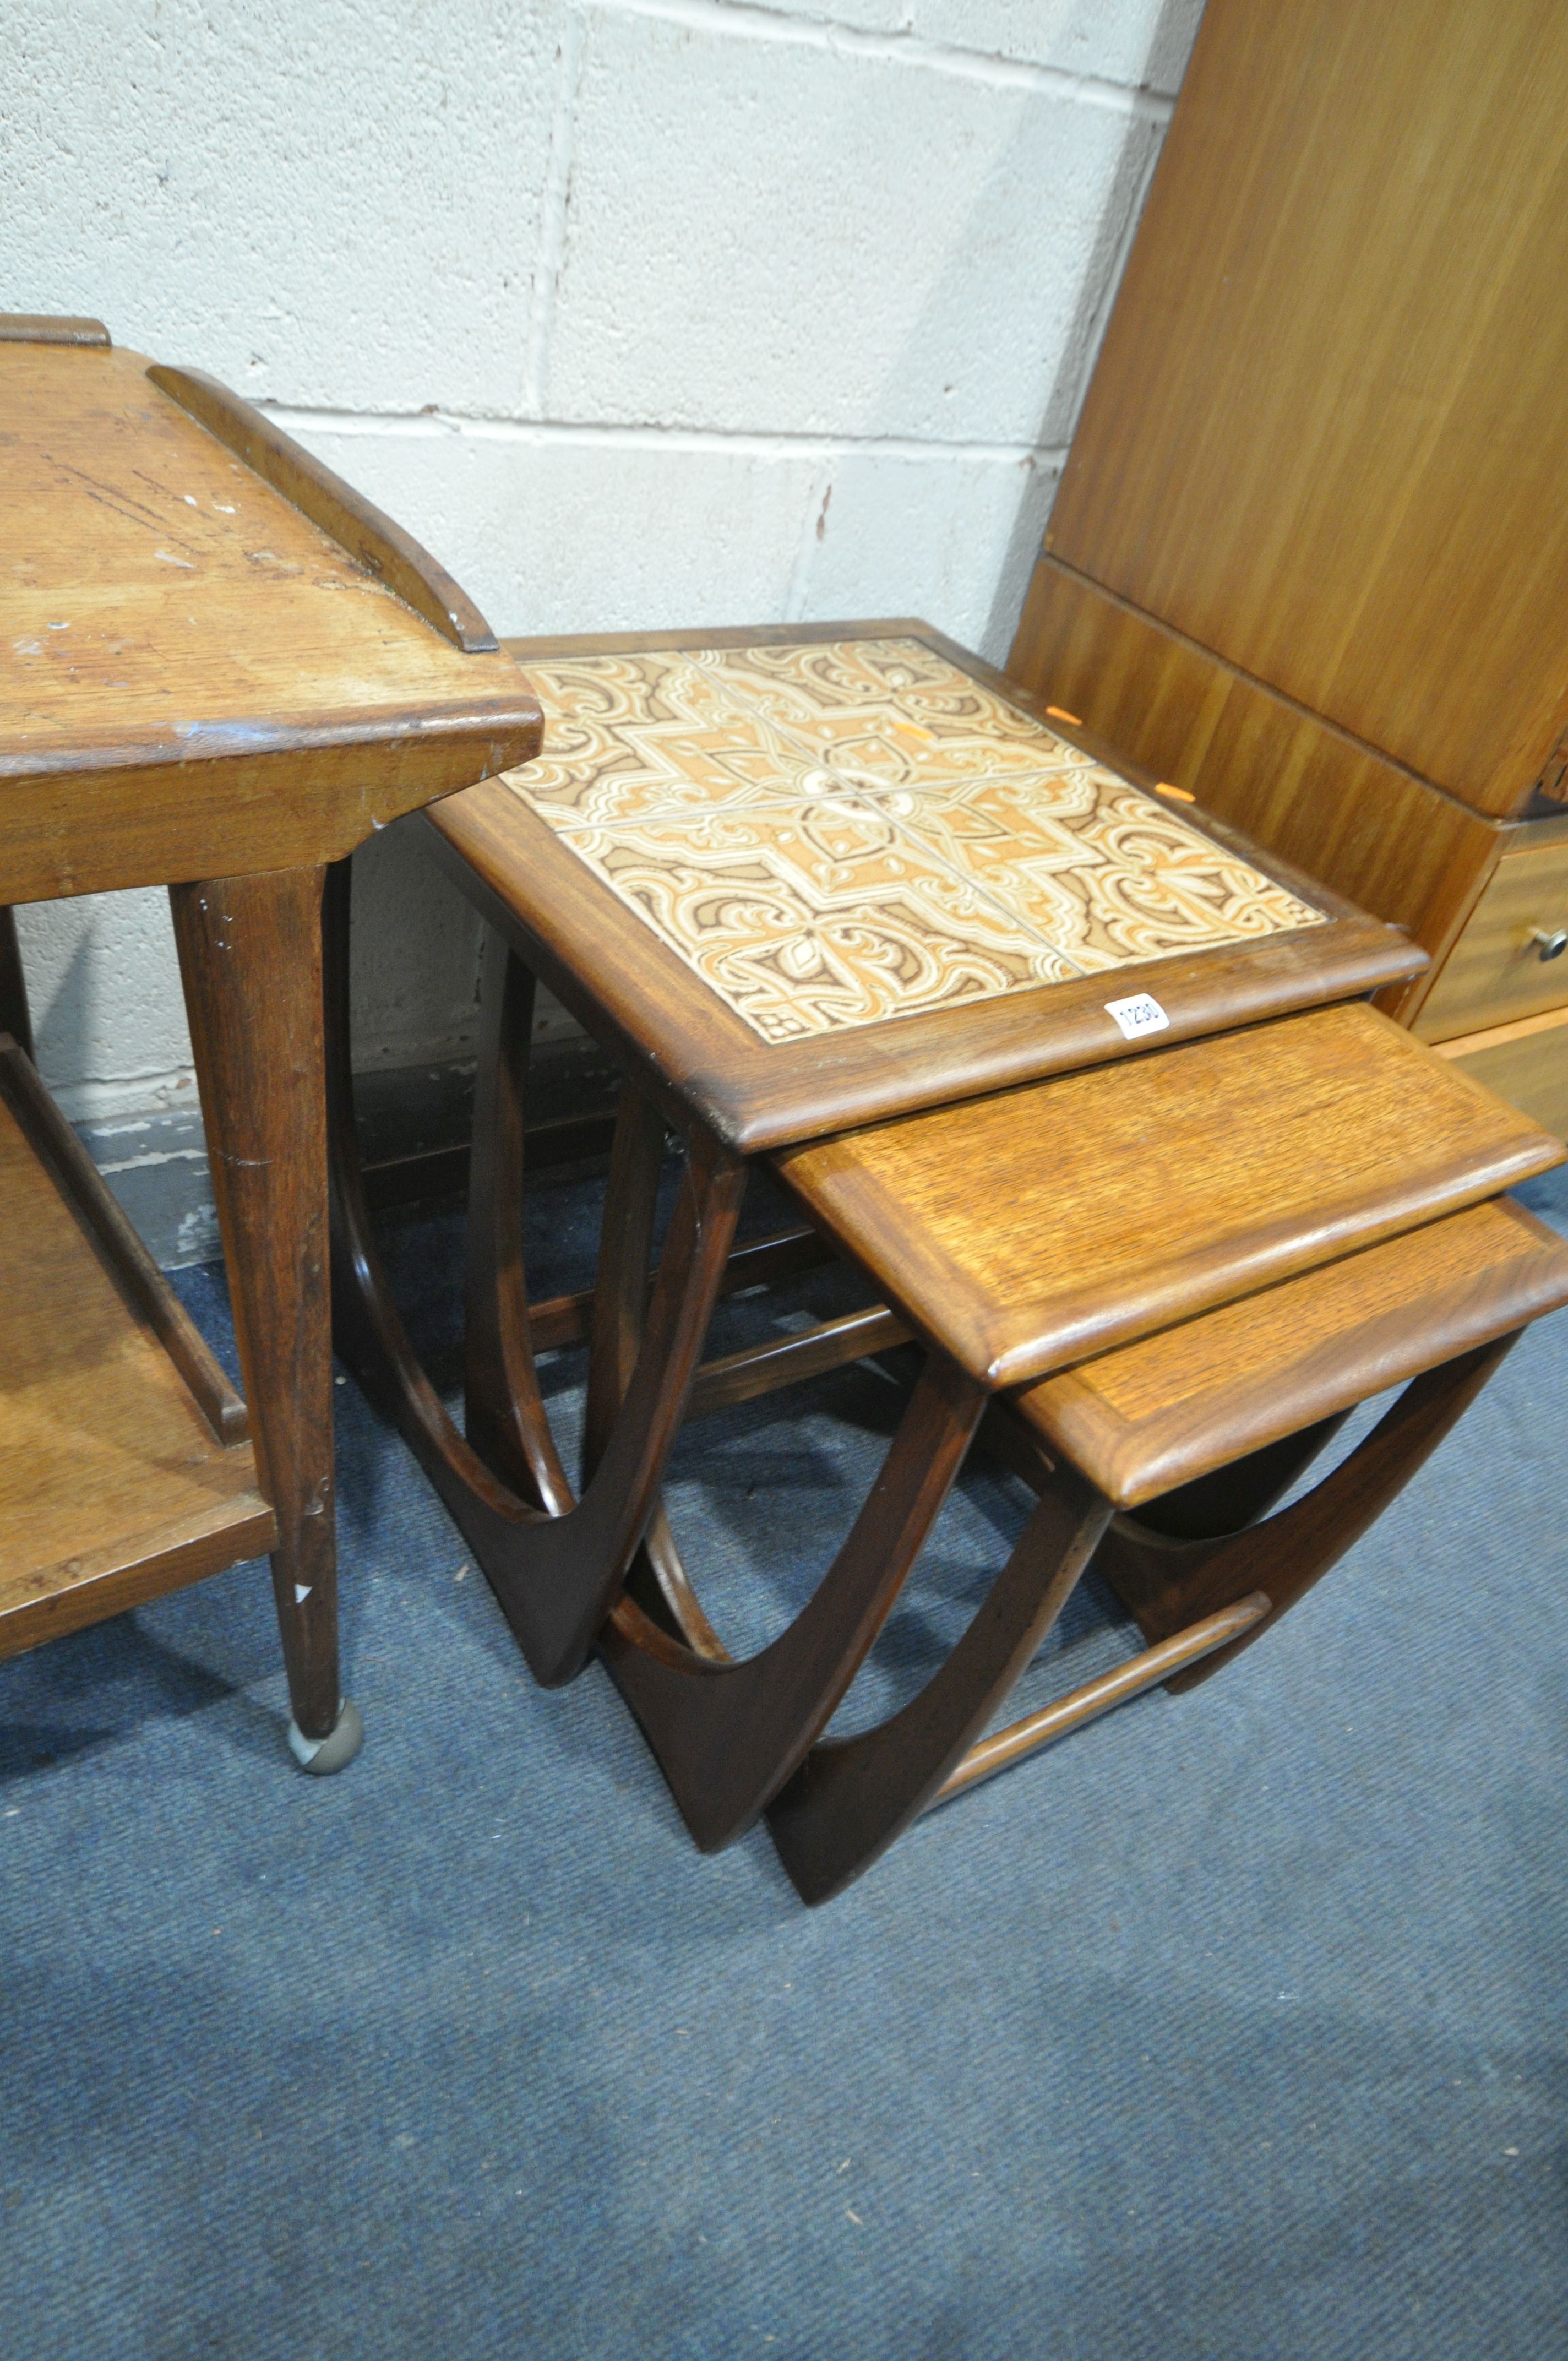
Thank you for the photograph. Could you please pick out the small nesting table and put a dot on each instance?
(219, 670)
(846, 900)
(1160, 1387)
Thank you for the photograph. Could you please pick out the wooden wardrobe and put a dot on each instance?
(1309, 556)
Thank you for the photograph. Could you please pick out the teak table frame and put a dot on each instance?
(226, 668)
(848, 1799)
(1164, 1457)
(1197, 1569)
(558, 1565)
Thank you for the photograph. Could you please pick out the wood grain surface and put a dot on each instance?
(1029, 1230)
(1175, 1406)
(250, 958)
(113, 1485)
(140, 1281)
(1325, 438)
(194, 677)
(697, 1057)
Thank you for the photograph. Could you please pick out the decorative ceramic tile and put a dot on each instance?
(831, 833)
(1094, 865)
(628, 736)
(888, 712)
(810, 915)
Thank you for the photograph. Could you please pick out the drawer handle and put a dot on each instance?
(1550, 946)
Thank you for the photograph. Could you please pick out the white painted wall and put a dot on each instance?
(638, 312)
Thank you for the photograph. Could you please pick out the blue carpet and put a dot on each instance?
(1233, 2027)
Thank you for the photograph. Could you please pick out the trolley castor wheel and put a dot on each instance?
(319, 1756)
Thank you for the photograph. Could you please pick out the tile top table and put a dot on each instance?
(818, 876)
(798, 881)
(219, 670)
(1053, 1059)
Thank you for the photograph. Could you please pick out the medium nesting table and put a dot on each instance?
(846, 900)
(219, 670)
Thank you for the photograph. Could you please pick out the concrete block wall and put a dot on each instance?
(638, 312)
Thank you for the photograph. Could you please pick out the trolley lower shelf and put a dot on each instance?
(126, 1466)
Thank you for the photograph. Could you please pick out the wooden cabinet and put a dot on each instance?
(1309, 558)
(1511, 960)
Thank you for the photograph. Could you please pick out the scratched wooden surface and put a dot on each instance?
(192, 674)
(202, 685)
(154, 589)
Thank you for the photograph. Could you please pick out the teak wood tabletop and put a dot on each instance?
(219, 670)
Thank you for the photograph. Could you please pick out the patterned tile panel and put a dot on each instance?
(807, 916)
(888, 712)
(1094, 865)
(627, 736)
(834, 833)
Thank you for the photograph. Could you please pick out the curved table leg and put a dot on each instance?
(619, 1309)
(1232, 1498)
(620, 1278)
(555, 1576)
(1170, 1582)
(728, 1735)
(503, 1412)
(851, 1798)
(678, 1610)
